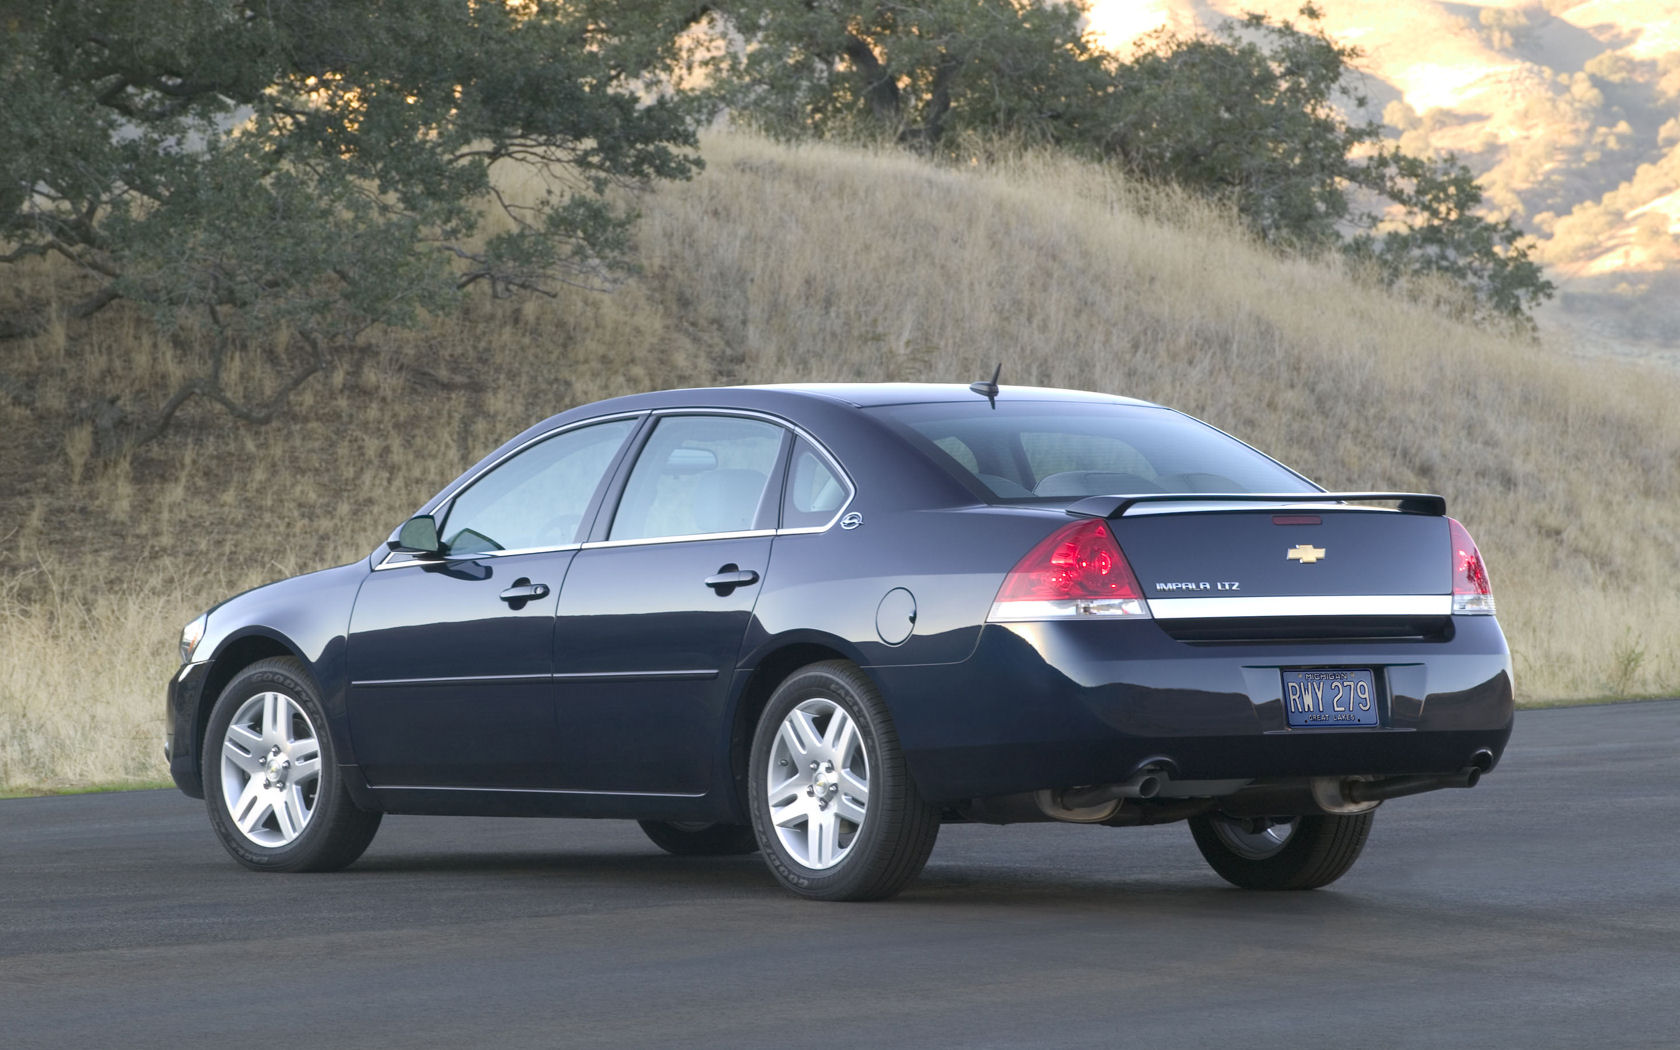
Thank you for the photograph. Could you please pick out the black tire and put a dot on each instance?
(1319, 850)
(885, 849)
(334, 832)
(699, 839)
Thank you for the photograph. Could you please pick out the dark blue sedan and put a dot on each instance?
(820, 621)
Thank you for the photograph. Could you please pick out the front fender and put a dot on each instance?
(305, 618)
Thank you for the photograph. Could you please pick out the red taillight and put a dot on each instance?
(1077, 570)
(1472, 593)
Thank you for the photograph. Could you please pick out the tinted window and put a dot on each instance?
(814, 492)
(538, 497)
(698, 475)
(1039, 450)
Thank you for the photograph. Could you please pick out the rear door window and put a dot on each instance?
(700, 475)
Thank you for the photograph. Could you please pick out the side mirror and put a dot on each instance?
(418, 535)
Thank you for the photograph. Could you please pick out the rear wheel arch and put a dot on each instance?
(771, 670)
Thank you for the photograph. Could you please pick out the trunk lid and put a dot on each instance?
(1286, 552)
(1251, 570)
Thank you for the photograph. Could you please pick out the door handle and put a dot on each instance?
(524, 591)
(730, 577)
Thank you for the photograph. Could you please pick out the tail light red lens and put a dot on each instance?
(1472, 593)
(1077, 570)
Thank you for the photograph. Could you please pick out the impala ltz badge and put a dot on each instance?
(1306, 553)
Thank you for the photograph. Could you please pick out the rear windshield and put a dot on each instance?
(1036, 450)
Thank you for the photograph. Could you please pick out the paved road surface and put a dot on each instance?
(1541, 909)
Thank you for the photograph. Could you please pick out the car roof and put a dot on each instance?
(855, 395)
(872, 395)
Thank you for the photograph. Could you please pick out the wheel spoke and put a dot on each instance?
(820, 838)
(790, 741)
(791, 812)
(250, 762)
(253, 806)
(306, 769)
(274, 719)
(289, 813)
(841, 736)
(855, 786)
(847, 809)
(804, 731)
(252, 742)
(779, 793)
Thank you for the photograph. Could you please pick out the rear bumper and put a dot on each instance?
(181, 744)
(1059, 704)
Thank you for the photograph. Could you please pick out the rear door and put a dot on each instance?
(653, 613)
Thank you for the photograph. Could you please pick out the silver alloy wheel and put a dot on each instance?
(1259, 844)
(271, 769)
(817, 783)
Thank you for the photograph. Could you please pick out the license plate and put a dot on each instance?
(1329, 698)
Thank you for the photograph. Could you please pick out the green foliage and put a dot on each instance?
(1254, 114)
(926, 74)
(313, 167)
(1439, 234)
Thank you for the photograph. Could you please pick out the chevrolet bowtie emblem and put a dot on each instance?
(1305, 553)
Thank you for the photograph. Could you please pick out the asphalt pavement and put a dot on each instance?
(1540, 909)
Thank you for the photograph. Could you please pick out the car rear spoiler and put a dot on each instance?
(1116, 506)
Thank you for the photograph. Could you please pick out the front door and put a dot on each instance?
(450, 659)
(451, 683)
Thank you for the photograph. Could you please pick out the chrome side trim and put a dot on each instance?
(631, 676)
(498, 679)
(462, 680)
(1305, 605)
(746, 535)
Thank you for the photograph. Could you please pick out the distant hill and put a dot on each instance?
(1568, 111)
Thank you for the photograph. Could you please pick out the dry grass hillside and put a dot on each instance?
(1567, 110)
(809, 264)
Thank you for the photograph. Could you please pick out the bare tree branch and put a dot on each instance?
(36, 325)
(210, 388)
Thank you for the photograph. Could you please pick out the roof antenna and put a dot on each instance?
(988, 389)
